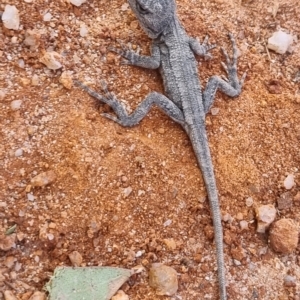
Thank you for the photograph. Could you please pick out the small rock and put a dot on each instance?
(52, 60)
(280, 41)
(77, 2)
(32, 38)
(9, 261)
(10, 17)
(244, 225)
(8, 295)
(265, 215)
(249, 201)
(43, 179)
(170, 243)
(18, 152)
(16, 104)
(35, 80)
(7, 241)
(75, 258)
(214, 111)
(289, 182)
(83, 30)
(163, 279)
(127, 191)
(285, 201)
(120, 295)
(289, 281)
(66, 79)
(238, 253)
(284, 236)
(38, 296)
(47, 17)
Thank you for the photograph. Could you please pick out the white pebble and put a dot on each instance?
(10, 17)
(280, 41)
(244, 225)
(47, 17)
(249, 201)
(289, 181)
(168, 223)
(21, 63)
(77, 2)
(16, 104)
(214, 111)
(30, 197)
(19, 152)
(83, 30)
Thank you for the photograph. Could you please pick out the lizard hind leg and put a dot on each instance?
(232, 87)
(128, 120)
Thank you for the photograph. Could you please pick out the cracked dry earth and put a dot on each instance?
(133, 196)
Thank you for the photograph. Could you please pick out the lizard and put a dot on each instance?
(173, 53)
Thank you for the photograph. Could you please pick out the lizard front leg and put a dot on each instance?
(134, 59)
(232, 87)
(126, 120)
(201, 49)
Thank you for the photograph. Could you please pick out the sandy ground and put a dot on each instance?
(133, 196)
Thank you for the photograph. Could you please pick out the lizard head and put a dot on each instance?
(154, 15)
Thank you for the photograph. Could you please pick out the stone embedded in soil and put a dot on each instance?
(163, 279)
(16, 104)
(289, 281)
(52, 60)
(7, 241)
(265, 215)
(289, 182)
(280, 41)
(9, 295)
(38, 296)
(284, 236)
(120, 295)
(10, 17)
(77, 2)
(43, 179)
(66, 79)
(75, 258)
(285, 201)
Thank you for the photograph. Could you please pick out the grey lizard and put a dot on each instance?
(173, 53)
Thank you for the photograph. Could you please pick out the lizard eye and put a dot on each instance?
(142, 10)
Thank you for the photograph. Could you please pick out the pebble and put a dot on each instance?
(244, 225)
(127, 191)
(7, 241)
(280, 41)
(9, 295)
(170, 243)
(75, 258)
(10, 17)
(35, 80)
(18, 152)
(66, 79)
(9, 261)
(214, 111)
(289, 281)
(289, 182)
(21, 63)
(47, 17)
(83, 30)
(52, 60)
(38, 296)
(284, 236)
(285, 201)
(265, 215)
(16, 104)
(249, 201)
(43, 179)
(32, 38)
(77, 2)
(120, 295)
(163, 279)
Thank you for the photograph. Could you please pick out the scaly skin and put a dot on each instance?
(173, 53)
